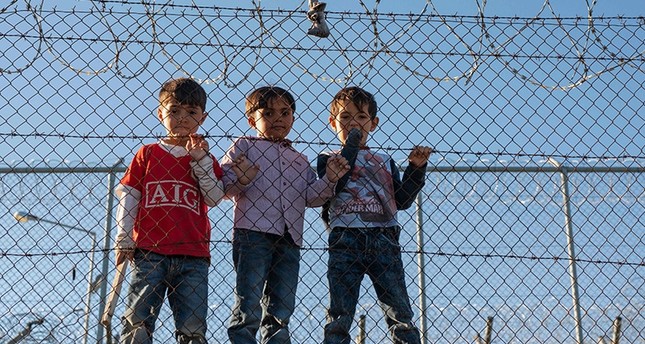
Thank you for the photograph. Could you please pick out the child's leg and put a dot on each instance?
(345, 273)
(188, 298)
(388, 276)
(252, 252)
(280, 292)
(145, 297)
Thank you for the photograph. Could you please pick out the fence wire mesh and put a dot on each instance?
(532, 212)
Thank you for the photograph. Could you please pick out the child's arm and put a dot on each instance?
(126, 213)
(320, 190)
(413, 178)
(321, 167)
(206, 170)
(336, 167)
(333, 168)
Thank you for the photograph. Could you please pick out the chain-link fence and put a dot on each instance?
(529, 228)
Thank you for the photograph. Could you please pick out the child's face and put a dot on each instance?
(273, 122)
(350, 116)
(180, 120)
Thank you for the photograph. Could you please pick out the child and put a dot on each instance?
(162, 219)
(269, 217)
(364, 237)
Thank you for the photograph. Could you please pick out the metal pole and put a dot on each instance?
(571, 248)
(107, 244)
(421, 264)
(89, 289)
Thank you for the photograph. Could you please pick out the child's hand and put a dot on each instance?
(337, 166)
(197, 146)
(419, 155)
(123, 254)
(244, 170)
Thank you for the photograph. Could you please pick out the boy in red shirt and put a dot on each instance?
(162, 218)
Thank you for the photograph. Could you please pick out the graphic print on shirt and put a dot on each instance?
(369, 190)
(172, 193)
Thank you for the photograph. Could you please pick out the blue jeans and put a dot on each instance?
(375, 252)
(267, 267)
(185, 279)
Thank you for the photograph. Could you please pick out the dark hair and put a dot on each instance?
(356, 95)
(260, 97)
(186, 91)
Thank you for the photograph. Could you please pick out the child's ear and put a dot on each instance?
(251, 121)
(204, 116)
(332, 122)
(374, 124)
(160, 113)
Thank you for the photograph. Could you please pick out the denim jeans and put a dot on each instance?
(375, 252)
(266, 267)
(185, 279)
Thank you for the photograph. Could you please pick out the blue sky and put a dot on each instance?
(495, 111)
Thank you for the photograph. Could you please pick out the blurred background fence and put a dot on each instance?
(533, 209)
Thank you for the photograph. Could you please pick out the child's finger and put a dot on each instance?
(240, 158)
(336, 164)
(421, 151)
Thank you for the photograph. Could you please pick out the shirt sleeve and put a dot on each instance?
(413, 181)
(320, 190)
(133, 177)
(231, 185)
(209, 175)
(126, 214)
(321, 167)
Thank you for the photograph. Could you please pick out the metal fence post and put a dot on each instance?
(107, 244)
(421, 266)
(90, 288)
(571, 248)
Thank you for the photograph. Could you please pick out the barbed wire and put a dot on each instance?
(486, 47)
(302, 12)
(613, 58)
(456, 254)
(330, 144)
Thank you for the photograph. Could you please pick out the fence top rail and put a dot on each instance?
(120, 168)
(538, 169)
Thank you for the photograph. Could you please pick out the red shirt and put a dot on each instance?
(172, 217)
